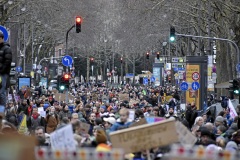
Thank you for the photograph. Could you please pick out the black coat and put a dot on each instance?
(5, 58)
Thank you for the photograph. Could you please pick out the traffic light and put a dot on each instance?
(147, 56)
(169, 79)
(158, 55)
(172, 34)
(12, 74)
(234, 88)
(63, 82)
(78, 22)
(121, 60)
(92, 60)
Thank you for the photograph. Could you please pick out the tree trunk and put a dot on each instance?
(88, 69)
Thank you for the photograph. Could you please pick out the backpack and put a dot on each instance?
(35, 122)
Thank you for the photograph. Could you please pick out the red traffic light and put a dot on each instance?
(66, 76)
(91, 59)
(147, 53)
(78, 19)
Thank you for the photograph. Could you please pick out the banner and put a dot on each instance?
(233, 112)
(23, 126)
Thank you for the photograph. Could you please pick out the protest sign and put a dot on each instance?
(132, 102)
(123, 97)
(63, 138)
(154, 119)
(144, 137)
(184, 135)
(23, 126)
(140, 122)
(84, 127)
(41, 112)
(131, 116)
(233, 112)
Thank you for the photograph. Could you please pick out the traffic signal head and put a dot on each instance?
(147, 56)
(234, 87)
(78, 22)
(66, 77)
(62, 87)
(158, 55)
(91, 59)
(172, 34)
(121, 60)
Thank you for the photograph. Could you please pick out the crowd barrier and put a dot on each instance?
(80, 154)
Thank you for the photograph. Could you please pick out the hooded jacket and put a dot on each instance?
(5, 58)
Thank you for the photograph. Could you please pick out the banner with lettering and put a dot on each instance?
(233, 112)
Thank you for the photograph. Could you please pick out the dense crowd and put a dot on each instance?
(109, 115)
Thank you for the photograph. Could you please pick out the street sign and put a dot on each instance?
(145, 81)
(168, 72)
(39, 71)
(195, 76)
(238, 67)
(18, 69)
(39, 66)
(153, 79)
(184, 86)
(195, 86)
(67, 60)
(129, 75)
(5, 32)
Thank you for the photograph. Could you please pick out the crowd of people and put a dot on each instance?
(112, 114)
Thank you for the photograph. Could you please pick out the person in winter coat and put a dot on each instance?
(65, 113)
(5, 67)
(35, 120)
(23, 107)
(52, 121)
(122, 122)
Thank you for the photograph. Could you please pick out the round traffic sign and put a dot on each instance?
(168, 72)
(5, 33)
(39, 66)
(195, 76)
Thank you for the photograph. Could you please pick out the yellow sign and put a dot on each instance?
(191, 95)
(23, 126)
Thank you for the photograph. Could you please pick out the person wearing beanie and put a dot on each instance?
(103, 111)
(231, 146)
(219, 121)
(101, 139)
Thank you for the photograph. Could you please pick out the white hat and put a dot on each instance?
(111, 120)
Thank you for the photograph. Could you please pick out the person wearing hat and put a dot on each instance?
(219, 121)
(5, 67)
(108, 123)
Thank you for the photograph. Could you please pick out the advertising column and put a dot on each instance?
(192, 95)
(196, 77)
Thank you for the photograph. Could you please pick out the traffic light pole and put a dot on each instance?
(214, 38)
(67, 54)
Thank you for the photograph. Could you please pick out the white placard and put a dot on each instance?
(233, 112)
(62, 139)
(131, 115)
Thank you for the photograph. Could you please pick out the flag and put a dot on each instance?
(23, 125)
(233, 112)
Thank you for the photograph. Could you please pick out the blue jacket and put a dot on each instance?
(119, 125)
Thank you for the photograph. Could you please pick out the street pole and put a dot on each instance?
(121, 73)
(67, 42)
(24, 48)
(214, 38)
(32, 45)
